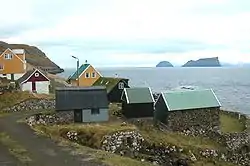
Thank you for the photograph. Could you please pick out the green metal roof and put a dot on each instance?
(80, 70)
(108, 82)
(139, 95)
(190, 99)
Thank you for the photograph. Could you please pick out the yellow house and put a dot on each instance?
(12, 63)
(87, 76)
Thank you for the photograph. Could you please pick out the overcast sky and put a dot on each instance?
(130, 32)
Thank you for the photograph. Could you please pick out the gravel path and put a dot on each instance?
(42, 150)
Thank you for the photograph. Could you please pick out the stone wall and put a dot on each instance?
(32, 104)
(65, 117)
(200, 120)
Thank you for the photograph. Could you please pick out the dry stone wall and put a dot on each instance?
(199, 121)
(32, 104)
(51, 119)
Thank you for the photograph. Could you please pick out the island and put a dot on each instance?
(204, 62)
(34, 57)
(164, 64)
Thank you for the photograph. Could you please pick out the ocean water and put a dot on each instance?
(231, 85)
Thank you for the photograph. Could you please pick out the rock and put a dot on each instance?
(204, 62)
(164, 64)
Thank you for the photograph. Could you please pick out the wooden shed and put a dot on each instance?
(90, 104)
(114, 86)
(137, 102)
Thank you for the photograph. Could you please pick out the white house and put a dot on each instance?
(35, 81)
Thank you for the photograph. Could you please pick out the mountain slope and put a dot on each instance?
(34, 56)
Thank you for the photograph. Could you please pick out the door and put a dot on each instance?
(33, 86)
(78, 116)
(12, 78)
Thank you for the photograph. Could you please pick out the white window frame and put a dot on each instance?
(37, 74)
(93, 75)
(121, 85)
(8, 56)
(86, 75)
(1, 67)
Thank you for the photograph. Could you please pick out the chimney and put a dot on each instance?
(86, 62)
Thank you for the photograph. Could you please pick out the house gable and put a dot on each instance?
(13, 65)
(88, 75)
(34, 76)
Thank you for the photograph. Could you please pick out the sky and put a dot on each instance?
(111, 33)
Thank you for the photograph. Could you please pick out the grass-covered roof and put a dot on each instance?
(108, 82)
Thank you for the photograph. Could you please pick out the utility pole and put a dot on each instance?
(77, 69)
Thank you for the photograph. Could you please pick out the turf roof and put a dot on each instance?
(108, 82)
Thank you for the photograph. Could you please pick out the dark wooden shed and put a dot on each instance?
(114, 86)
(137, 102)
(90, 104)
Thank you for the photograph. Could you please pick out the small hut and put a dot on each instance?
(114, 86)
(187, 109)
(35, 81)
(89, 104)
(137, 102)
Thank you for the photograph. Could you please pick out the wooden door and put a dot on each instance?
(33, 86)
(78, 116)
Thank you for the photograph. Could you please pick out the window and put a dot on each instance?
(8, 56)
(4, 75)
(36, 74)
(86, 75)
(95, 111)
(93, 75)
(121, 85)
(1, 67)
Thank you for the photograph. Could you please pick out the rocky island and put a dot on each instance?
(164, 64)
(34, 57)
(204, 62)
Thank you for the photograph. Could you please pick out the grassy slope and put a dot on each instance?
(95, 133)
(9, 99)
(54, 132)
(230, 124)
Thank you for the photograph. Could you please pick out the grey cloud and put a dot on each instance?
(158, 46)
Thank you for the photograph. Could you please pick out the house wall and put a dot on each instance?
(16, 76)
(42, 87)
(88, 117)
(88, 81)
(198, 119)
(160, 110)
(115, 94)
(138, 110)
(26, 86)
(12, 66)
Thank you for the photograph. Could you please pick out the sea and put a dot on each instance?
(231, 85)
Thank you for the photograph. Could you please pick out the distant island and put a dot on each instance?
(164, 64)
(204, 62)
